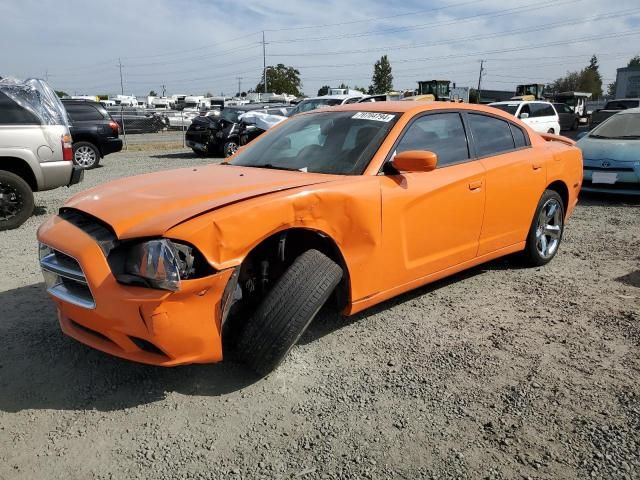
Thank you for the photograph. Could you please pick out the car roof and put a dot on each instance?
(397, 106)
(518, 102)
(336, 97)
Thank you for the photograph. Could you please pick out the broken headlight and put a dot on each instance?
(160, 263)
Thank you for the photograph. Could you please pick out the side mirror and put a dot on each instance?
(523, 115)
(415, 161)
(581, 135)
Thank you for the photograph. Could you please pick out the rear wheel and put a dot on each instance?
(85, 155)
(16, 201)
(546, 230)
(287, 310)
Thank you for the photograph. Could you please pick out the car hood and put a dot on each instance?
(149, 205)
(609, 149)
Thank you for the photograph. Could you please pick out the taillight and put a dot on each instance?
(67, 148)
(114, 126)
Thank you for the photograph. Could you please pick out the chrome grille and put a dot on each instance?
(64, 277)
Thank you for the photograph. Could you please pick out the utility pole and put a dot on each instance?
(164, 90)
(480, 80)
(264, 61)
(121, 84)
(239, 84)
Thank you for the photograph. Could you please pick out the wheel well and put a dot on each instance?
(89, 139)
(295, 242)
(20, 168)
(562, 190)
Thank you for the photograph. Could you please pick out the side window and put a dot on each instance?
(440, 133)
(13, 114)
(83, 113)
(525, 109)
(542, 110)
(518, 136)
(490, 135)
(352, 100)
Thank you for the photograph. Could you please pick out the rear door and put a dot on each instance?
(432, 220)
(515, 180)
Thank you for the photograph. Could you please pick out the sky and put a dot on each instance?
(199, 46)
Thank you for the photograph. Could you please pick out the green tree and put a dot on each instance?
(590, 78)
(61, 94)
(153, 93)
(281, 79)
(361, 89)
(569, 83)
(634, 62)
(324, 90)
(382, 79)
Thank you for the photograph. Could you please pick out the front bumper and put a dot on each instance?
(140, 324)
(626, 174)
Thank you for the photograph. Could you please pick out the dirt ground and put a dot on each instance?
(500, 372)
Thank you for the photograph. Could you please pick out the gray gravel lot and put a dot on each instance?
(500, 372)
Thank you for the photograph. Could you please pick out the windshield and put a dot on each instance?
(619, 126)
(339, 143)
(511, 108)
(308, 105)
(622, 104)
(231, 114)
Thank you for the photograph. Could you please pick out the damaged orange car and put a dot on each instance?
(356, 203)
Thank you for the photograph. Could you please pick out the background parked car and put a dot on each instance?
(210, 135)
(138, 121)
(35, 148)
(94, 132)
(541, 116)
(325, 101)
(612, 154)
(611, 108)
(569, 119)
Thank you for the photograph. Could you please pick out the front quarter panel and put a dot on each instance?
(346, 210)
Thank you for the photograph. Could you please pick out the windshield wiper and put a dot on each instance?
(271, 166)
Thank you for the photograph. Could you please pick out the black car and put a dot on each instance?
(568, 119)
(132, 120)
(94, 132)
(210, 135)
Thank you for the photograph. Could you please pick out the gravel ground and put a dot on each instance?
(499, 373)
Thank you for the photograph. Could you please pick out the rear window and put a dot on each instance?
(13, 114)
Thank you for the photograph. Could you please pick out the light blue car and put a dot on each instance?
(611, 153)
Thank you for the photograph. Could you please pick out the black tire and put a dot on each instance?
(16, 201)
(532, 252)
(230, 148)
(199, 153)
(86, 155)
(287, 310)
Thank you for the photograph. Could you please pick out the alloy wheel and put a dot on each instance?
(85, 156)
(549, 228)
(232, 148)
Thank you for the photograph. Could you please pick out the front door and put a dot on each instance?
(432, 220)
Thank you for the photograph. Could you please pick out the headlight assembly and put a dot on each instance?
(159, 264)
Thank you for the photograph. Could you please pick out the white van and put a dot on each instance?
(541, 116)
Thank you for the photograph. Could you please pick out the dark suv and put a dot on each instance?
(210, 135)
(94, 132)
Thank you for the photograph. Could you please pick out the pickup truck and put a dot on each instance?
(35, 148)
(611, 108)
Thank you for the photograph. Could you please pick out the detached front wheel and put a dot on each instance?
(230, 148)
(16, 201)
(287, 310)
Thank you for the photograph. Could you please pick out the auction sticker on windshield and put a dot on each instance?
(378, 117)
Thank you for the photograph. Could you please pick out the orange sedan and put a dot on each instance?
(354, 204)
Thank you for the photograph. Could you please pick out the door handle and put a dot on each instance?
(477, 185)
(536, 166)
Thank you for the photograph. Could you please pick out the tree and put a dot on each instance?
(324, 90)
(382, 79)
(153, 93)
(282, 79)
(590, 78)
(208, 95)
(361, 89)
(634, 62)
(61, 94)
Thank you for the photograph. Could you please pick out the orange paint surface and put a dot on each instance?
(394, 232)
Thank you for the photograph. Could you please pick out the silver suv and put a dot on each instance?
(35, 148)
